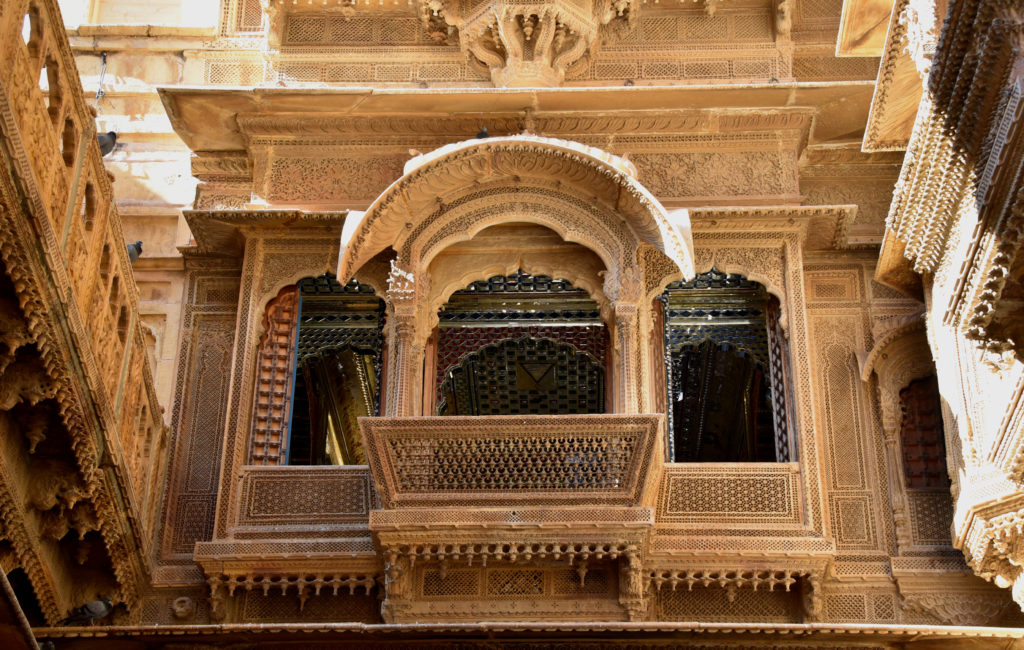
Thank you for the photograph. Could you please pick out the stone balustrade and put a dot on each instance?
(502, 460)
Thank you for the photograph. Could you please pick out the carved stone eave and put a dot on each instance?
(895, 271)
(801, 552)
(223, 232)
(898, 90)
(221, 166)
(820, 227)
(231, 559)
(637, 634)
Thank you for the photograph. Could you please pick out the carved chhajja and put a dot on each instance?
(524, 44)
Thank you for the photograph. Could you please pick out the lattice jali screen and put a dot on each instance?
(461, 582)
(250, 16)
(515, 583)
(456, 342)
(931, 516)
(447, 68)
(763, 494)
(305, 495)
(524, 375)
(499, 463)
(500, 583)
(494, 460)
(848, 607)
(233, 73)
(337, 31)
(257, 608)
(718, 604)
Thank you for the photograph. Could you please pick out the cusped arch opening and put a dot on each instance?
(488, 360)
(509, 248)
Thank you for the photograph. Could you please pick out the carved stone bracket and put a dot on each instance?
(524, 44)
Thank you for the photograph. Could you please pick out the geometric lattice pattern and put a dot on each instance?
(473, 583)
(931, 516)
(579, 461)
(428, 462)
(741, 605)
(455, 343)
(764, 497)
(517, 306)
(526, 375)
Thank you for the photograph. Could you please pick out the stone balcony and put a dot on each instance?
(513, 505)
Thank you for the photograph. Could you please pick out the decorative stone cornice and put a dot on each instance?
(821, 227)
(223, 232)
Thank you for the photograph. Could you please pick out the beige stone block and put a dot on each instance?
(154, 179)
(157, 12)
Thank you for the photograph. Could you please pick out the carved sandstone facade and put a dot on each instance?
(644, 361)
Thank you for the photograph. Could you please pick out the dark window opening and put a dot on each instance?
(725, 359)
(921, 430)
(521, 344)
(26, 597)
(338, 356)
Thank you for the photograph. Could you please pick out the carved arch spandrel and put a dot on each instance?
(762, 262)
(567, 215)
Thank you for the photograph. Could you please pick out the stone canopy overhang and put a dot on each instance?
(508, 166)
(227, 119)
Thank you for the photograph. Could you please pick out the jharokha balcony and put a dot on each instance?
(473, 431)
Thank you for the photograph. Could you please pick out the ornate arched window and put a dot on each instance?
(521, 344)
(319, 370)
(725, 359)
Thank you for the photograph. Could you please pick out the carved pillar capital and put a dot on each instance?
(406, 334)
